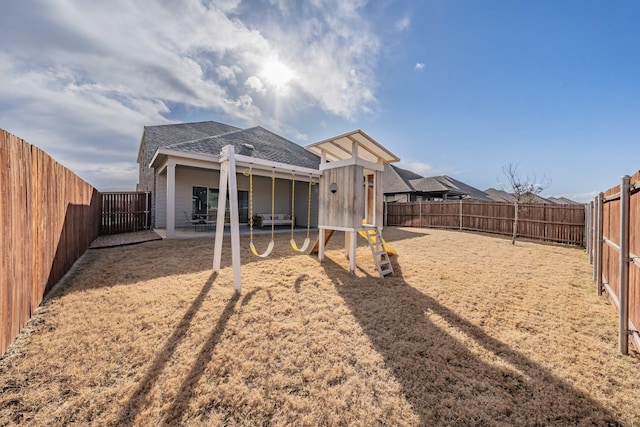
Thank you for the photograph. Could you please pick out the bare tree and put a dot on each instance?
(523, 189)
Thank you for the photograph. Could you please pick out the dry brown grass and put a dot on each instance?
(470, 331)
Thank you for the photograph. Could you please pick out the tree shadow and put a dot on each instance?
(450, 370)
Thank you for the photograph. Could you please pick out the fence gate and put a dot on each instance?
(125, 212)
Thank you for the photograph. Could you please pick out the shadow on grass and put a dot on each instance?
(450, 370)
(138, 399)
(127, 265)
(174, 414)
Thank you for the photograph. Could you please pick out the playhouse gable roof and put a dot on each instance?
(341, 148)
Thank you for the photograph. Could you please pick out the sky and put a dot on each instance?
(458, 87)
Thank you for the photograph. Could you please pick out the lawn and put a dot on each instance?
(469, 331)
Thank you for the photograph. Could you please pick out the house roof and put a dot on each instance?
(499, 195)
(562, 201)
(253, 142)
(154, 137)
(341, 147)
(397, 180)
(448, 185)
(503, 196)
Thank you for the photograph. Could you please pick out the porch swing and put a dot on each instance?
(271, 243)
(305, 244)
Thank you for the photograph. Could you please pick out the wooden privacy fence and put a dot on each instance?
(125, 212)
(614, 250)
(48, 218)
(550, 223)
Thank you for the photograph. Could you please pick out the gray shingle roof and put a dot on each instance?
(266, 146)
(448, 185)
(499, 195)
(155, 137)
(503, 196)
(562, 201)
(396, 180)
(430, 184)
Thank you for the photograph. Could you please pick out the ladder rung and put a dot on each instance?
(387, 271)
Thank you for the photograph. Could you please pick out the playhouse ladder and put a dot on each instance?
(380, 254)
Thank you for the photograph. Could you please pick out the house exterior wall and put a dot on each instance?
(302, 202)
(187, 178)
(399, 198)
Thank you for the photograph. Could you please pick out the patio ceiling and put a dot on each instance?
(341, 148)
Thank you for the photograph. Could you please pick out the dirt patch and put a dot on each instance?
(470, 330)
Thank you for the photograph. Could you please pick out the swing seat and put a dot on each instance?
(262, 255)
(304, 247)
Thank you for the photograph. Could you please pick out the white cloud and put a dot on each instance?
(403, 24)
(421, 168)
(256, 84)
(419, 66)
(85, 75)
(228, 73)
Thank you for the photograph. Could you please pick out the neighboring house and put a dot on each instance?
(503, 196)
(562, 201)
(182, 161)
(397, 184)
(401, 185)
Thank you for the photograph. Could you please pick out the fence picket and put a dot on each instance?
(124, 212)
(48, 217)
(551, 223)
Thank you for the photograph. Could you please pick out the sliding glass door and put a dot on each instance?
(205, 202)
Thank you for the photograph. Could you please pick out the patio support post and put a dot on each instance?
(171, 200)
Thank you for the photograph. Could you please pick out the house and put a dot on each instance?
(503, 196)
(401, 185)
(179, 164)
(562, 201)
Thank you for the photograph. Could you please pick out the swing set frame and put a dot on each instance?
(229, 163)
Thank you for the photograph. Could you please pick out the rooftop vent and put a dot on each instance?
(248, 146)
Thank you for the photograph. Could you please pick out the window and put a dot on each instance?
(205, 201)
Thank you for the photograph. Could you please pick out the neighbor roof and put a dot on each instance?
(397, 180)
(499, 195)
(562, 201)
(503, 196)
(448, 185)
(340, 148)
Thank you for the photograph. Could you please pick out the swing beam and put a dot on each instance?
(229, 162)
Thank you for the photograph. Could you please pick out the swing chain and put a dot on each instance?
(250, 204)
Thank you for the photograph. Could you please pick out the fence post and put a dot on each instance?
(587, 212)
(420, 215)
(623, 287)
(460, 214)
(589, 226)
(146, 210)
(599, 243)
